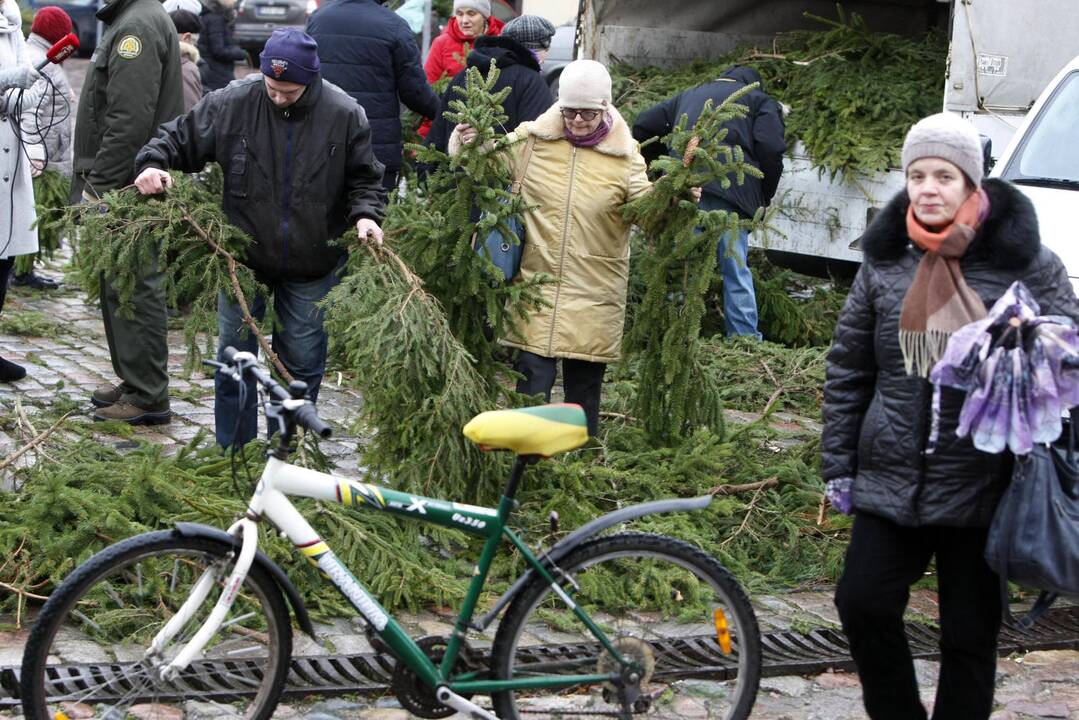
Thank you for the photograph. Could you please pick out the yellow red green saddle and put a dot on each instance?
(542, 430)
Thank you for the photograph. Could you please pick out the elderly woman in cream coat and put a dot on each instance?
(583, 167)
(17, 216)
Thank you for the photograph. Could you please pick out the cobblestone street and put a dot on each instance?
(68, 357)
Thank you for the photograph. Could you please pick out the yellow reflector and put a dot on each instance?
(723, 633)
(60, 716)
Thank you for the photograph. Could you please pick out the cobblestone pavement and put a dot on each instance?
(70, 359)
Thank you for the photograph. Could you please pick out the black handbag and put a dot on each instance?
(1034, 538)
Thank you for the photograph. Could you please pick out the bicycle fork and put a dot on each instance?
(249, 538)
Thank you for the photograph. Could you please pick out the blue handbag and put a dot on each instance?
(505, 252)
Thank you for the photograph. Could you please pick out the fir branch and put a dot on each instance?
(675, 396)
(238, 294)
(122, 234)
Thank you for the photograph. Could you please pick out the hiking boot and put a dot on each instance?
(105, 395)
(10, 372)
(135, 415)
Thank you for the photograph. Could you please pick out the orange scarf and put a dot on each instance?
(939, 301)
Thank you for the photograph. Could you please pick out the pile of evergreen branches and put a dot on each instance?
(766, 528)
(852, 93)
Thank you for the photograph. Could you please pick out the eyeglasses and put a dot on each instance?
(586, 115)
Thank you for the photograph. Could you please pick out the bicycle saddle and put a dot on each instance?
(542, 430)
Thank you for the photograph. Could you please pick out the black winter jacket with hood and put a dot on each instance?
(760, 134)
(217, 48)
(369, 52)
(295, 178)
(877, 418)
(518, 70)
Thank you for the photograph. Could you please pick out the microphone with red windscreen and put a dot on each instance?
(61, 50)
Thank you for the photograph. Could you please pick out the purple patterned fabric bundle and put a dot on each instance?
(1020, 372)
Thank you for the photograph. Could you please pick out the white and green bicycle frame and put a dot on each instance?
(280, 480)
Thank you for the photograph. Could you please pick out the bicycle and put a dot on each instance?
(610, 625)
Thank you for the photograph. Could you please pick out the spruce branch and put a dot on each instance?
(676, 396)
(238, 293)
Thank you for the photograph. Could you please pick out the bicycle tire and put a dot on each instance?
(634, 564)
(112, 600)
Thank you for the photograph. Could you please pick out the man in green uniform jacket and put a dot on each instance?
(134, 84)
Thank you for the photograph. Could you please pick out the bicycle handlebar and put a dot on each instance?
(308, 417)
(305, 415)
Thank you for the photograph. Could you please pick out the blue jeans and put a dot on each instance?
(298, 339)
(739, 297)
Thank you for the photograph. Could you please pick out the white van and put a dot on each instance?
(1042, 159)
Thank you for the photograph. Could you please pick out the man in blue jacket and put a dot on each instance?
(370, 53)
(760, 135)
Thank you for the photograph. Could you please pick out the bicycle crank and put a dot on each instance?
(417, 697)
(631, 689)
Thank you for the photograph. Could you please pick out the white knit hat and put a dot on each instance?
(949, 137)
(483, 7)
(584, 84)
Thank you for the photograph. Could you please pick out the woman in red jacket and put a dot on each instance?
(471, 18)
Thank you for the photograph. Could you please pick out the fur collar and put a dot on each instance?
(189, 51)
(618, 143)
(1008, 238)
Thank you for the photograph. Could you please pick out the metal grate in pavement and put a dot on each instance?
(784, 653)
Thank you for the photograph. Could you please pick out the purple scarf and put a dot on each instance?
(593, 138)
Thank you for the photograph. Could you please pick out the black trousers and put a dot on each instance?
(581, 379)
(883, 561)
(5, 270)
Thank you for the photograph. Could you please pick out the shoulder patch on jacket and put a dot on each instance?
(129, 47)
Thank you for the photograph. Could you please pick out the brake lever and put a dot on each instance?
(224, 368)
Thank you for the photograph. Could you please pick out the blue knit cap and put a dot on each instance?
(290, 55)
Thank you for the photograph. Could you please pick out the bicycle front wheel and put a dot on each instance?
(677, 615)
(86, 655)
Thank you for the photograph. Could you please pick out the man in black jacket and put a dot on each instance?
(760, 135)
(296, 155)
(517, 54)
(133, 84)
(369, 52)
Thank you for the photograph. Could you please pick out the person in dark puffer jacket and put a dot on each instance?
(368, 51)
(936, 257)
(760, 135)
(216, 46)
(517, 53)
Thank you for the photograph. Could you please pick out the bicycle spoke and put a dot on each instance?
(122, 606)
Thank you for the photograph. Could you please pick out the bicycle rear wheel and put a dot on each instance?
(672, 609)
(86, 654)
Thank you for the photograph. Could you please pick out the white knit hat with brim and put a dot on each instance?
(483, 7)
(948, 137)
(584, 84)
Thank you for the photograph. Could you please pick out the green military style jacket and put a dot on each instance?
(133, 85)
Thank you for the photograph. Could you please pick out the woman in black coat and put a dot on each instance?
(216, 46)
(936, 257)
